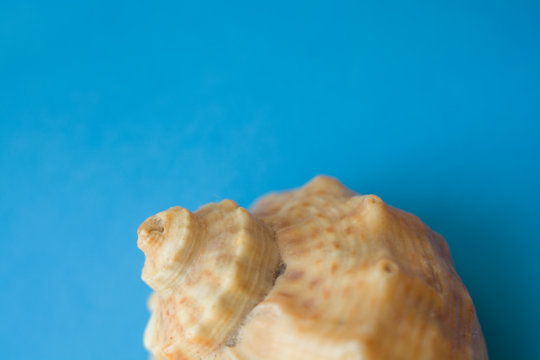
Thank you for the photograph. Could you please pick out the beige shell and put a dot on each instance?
(362, 280)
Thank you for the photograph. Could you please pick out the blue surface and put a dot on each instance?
(112, 112)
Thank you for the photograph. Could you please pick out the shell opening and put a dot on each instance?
(155, 224)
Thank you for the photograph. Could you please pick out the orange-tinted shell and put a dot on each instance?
(363, 280)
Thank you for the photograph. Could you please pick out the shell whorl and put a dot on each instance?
(209, 269)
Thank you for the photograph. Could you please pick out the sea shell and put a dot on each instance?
(362, 280)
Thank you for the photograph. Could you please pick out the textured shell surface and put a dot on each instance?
(319, 272)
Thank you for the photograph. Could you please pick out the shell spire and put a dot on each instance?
(209, 269)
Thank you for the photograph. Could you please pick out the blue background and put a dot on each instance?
(110, 113)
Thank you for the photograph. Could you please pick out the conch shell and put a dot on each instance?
(315, 273)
